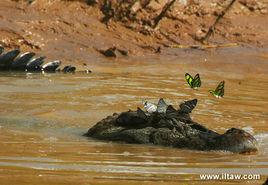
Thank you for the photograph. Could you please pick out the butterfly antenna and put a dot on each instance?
(143, 102)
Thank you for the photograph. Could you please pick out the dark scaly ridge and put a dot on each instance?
(12, 61)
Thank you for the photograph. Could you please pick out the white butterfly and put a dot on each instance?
(161, 106)
(150, 107)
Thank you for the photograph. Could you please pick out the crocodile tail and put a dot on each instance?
(1, 49)
(7, 58)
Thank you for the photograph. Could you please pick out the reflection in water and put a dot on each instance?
(42, 119)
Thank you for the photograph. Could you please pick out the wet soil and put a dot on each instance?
(75, 31)
(43, 116)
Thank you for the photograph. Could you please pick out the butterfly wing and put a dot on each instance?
(188, 106)
(150, 107)
(171, 111)
(196, 81)
(189, 79)
(219, 91)
(161, 106)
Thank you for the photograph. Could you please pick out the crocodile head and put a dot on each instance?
(237, 141)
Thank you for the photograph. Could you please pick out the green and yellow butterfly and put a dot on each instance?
(193, 82)
(219, 91)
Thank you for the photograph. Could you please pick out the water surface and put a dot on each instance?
(43, 117)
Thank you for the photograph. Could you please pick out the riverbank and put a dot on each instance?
(75, 31)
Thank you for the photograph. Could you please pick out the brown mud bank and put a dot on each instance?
(75, 31)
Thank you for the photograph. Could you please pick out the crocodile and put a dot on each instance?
(170, 127)
(14, 61)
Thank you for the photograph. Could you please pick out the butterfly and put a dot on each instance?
(188, 106)
(161, 106)
(171, 111)
(219, 91)
(193, 82)
(150, 107)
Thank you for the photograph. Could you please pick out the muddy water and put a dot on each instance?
(43, 117)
